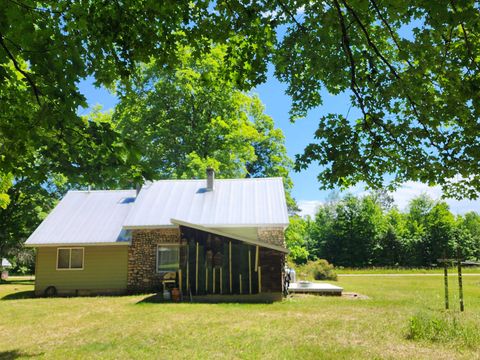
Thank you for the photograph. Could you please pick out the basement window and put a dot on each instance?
(70, 258)
(168, 258)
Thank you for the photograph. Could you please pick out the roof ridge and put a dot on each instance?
(102, 190)
(220, 179)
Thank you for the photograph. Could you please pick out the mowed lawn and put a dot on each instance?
(432, 271)
(297, 328)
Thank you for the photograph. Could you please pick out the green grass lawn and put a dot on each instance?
(299, 327)
(380, 270)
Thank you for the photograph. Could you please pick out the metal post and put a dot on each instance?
(221, 280)
(259, 279)
(206, 277)
(230, 265)
(445, 274)
(196, 272)
(180, 281)
(249, 271)
(460, 284)
(188, 269)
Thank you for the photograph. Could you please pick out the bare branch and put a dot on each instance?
(32, 8)
(36, 91)
(395, 74)
(348, 51)
(290, 14)
(465, 37)
(369, 40)
(353, 82)
(389, 28)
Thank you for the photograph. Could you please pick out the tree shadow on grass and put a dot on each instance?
(158, 299)
(18, 282)
(15, 354)
(17, 296)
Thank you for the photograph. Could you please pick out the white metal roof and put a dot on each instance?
(232, 203)
(86, 217)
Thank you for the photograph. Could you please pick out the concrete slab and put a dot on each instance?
(306, 287)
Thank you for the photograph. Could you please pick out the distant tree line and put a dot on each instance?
(369, 231)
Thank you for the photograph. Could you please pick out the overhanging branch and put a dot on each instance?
(36, 91)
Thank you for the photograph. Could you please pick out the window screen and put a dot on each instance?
(76, 261)
(63, 261)
(168, 258)
(70, 258)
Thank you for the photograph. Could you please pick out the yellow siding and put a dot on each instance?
(104, 271)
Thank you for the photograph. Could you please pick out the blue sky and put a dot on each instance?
(297, 136)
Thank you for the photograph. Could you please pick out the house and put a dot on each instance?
(5, 264)
(204, 237)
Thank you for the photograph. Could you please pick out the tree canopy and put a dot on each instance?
(185, 120)
(411, 68)
(169, 123)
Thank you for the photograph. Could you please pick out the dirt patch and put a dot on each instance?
(352, 295)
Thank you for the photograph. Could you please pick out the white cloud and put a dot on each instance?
(411, 189)
(402, 197)
(308, 207)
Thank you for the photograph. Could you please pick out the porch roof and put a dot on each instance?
(230, 235)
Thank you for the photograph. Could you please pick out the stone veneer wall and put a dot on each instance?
(274, 236)
(142, 258)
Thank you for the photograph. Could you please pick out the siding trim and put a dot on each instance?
(149, 227)
(123, 243)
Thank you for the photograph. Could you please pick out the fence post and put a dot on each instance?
(460, 284)
(445, 274)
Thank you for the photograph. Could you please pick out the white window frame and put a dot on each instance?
(70, 258)
(171, 246)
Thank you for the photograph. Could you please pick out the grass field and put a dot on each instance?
(380, 270)
(299, 327)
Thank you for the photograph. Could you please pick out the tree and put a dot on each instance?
(48, 47)
(391, 249)
(469, 235)
(349, 230)
(441, 237)
(411, 68)
(36, 189)
(190, 118)
(296, 238)
(358, 231)
(30, 203)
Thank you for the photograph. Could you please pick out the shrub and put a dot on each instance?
(317, 270)
(447, 327)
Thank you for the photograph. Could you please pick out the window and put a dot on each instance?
(168, 258)
(70, 259)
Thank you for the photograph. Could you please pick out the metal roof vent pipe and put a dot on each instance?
(210, 178)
